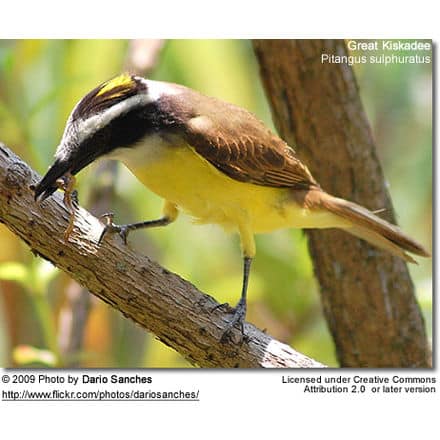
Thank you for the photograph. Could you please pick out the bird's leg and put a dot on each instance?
(123, 230)
(170, 213)
(248, 246)
(240, 309)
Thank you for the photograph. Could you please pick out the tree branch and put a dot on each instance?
(161, 302)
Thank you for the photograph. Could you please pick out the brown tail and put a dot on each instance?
(370, 227)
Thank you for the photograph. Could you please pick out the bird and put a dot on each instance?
(212, 160)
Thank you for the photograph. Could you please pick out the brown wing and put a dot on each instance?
(245, 150)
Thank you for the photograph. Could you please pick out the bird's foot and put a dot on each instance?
(222, 306)
(237, 318)
(112, 228)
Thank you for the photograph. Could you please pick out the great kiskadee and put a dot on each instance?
(211, 159)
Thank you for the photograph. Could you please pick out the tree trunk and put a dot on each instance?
(367, 295)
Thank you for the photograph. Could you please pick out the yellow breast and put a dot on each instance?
(181, 176)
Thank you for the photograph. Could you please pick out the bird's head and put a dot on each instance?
(116, 114)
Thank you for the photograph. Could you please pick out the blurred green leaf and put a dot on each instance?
(15, 271)
(45, 272)
(26, 354)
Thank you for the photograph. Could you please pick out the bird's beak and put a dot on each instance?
(47, 185)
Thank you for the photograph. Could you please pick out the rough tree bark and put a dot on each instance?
(159, 301)
(367, 295)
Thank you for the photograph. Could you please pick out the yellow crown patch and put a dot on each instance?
(121, 83)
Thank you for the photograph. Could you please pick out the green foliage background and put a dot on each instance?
(40, 82)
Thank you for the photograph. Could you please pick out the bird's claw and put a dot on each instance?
(237, 318)
(221, 306)
(112, 228)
